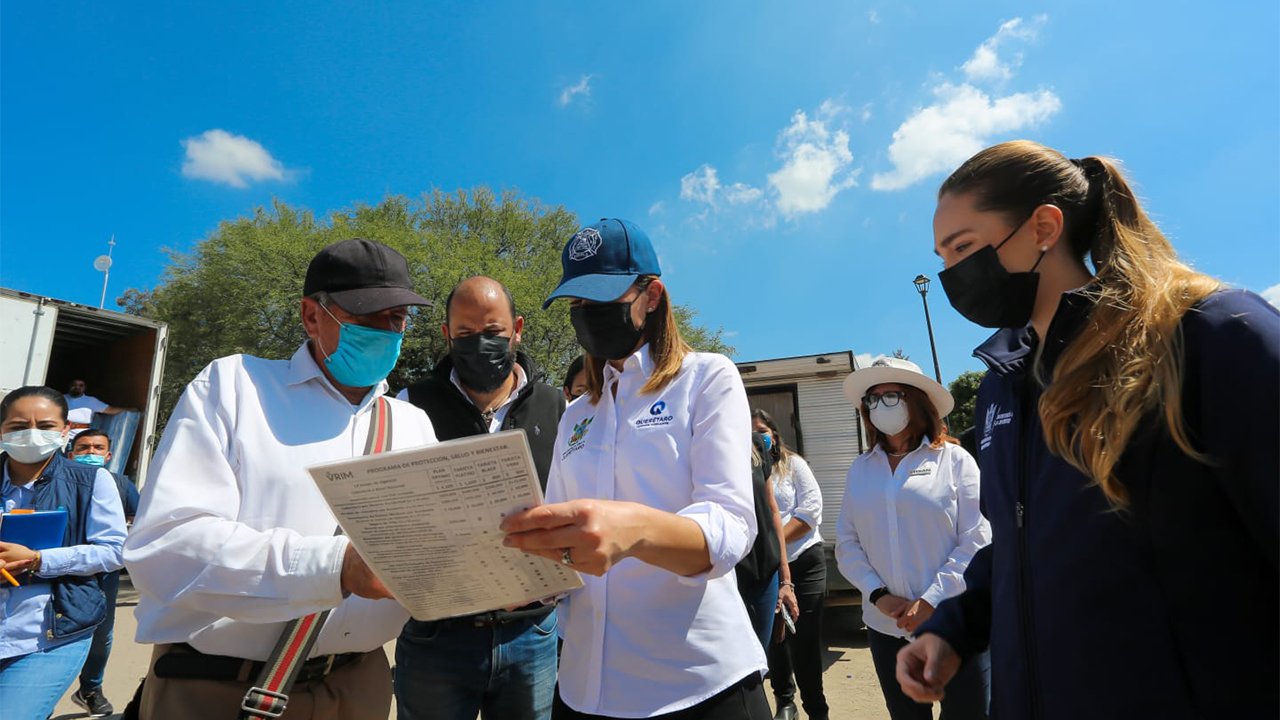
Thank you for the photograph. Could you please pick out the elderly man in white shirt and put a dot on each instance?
(232, 539)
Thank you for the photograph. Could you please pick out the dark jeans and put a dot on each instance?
(744, 700)
(761, 599)
(95, 666)
(452, 670)
(801, 655)
(966, 697)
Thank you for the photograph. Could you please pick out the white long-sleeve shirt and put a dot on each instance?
(912, 530)
(796, 491)
(642, 641)
(232, 538)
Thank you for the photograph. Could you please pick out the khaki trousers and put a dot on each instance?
(359, 691)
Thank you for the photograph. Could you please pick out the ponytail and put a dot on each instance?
(1128, 360)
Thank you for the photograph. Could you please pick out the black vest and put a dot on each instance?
(536, 410)
(77, 602)
(766, 554)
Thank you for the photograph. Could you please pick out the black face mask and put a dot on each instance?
(483, 362)
(980, 289)
(605, 330)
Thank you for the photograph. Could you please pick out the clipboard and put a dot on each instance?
(38, 530)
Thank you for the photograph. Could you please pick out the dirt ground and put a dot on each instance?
(851, 687)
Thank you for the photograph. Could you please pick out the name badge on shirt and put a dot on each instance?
(922, 470)
(657, 416)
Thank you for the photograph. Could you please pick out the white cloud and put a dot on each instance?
(874, 17)
(961, 121)
(1272, 295)
(700, 185)
(865, 112)
(815, 163)
(235, 160)
(741, 193)
(655, 208)
(962, 118)
(986, 65)
(581, 88)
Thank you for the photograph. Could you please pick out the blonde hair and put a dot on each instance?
(666, 348)
(1128, 360)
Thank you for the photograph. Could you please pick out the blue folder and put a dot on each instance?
(38, 530)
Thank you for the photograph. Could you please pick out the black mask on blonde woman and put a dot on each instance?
(605, 330)
(980, 289)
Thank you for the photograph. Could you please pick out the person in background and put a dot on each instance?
(575, 379)
(797, 661)
(764, 578)
(50, 616)
(233, 540)
(1127, 431)
(499, 665)
(909, 525)
(93, 447)
(82, 406)
(650, 498)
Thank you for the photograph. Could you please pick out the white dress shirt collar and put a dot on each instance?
(303, 368)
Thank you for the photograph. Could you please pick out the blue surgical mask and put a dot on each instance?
(365, 356)
(91, 459)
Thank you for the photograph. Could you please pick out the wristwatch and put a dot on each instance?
(877, 594)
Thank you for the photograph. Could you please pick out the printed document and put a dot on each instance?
(426, 521)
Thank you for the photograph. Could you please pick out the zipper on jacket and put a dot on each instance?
(1028, 630)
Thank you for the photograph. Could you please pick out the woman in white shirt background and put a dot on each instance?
(650, 496)
(800, 506)
(909, 525)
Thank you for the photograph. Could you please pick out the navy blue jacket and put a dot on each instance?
(77, 603)
(1167, 609)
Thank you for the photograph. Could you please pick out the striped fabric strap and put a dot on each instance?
(270, 694)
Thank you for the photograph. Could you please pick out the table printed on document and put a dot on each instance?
(426, 521)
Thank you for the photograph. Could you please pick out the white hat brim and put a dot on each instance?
(858, 382)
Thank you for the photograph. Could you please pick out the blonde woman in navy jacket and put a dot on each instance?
(1127, 434)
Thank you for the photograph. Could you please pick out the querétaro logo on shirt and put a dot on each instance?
(580, 430)
(578, 439)
(656, 418)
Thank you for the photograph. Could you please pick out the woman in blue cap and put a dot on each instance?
(650, 496)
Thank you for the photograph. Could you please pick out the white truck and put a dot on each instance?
(120, 357)
(806, 399)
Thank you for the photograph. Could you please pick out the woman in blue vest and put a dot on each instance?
(50, 615)
(1127, 434)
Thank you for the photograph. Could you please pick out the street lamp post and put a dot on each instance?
(922, 286)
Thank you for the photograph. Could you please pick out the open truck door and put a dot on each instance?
(120, 357)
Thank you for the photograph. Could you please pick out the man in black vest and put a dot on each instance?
(446, 669)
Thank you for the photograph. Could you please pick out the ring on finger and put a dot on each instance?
(565, 558)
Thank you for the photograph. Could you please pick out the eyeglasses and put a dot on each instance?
(890, 398)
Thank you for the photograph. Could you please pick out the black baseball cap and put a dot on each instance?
(362, 276)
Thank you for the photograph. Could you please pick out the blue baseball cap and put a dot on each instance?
(603, 259)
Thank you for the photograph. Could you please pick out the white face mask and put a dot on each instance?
(32, 446)
(890, 420)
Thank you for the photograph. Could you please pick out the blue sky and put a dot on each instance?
(782, 156)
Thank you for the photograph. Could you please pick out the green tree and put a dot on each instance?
(238, 290)
(965, 391)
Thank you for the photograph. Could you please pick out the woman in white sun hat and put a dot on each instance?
(909, 524)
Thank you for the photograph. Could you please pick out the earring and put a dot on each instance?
(1044, 248)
